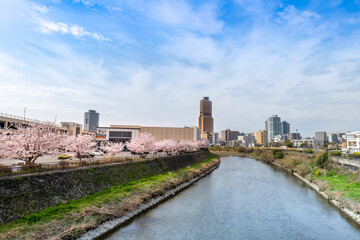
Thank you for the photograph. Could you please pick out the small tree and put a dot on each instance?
(30, 141)
(81, 145)
(278, 153)
(112, 148)
(304, 145)
(323, 160)
(288, 144)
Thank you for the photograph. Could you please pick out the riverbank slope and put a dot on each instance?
(70, 220)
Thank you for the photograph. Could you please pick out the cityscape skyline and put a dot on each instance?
(148, 62)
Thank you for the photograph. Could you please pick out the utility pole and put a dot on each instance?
(24, 113)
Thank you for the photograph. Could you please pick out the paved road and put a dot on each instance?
(52, 159)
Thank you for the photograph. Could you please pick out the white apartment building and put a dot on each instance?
(353, 142)
(309, 142)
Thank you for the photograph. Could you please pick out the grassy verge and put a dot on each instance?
(337, 182)
(70, 220)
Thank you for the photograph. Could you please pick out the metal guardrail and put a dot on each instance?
(27, 119)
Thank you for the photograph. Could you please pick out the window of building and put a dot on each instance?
(114, 134)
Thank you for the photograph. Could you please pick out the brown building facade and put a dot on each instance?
(123, 133)
(261, 138)
(206, 121)
(228, 135)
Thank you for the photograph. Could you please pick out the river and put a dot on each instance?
(242, 199)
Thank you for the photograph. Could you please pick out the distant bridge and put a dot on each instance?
(8, 120)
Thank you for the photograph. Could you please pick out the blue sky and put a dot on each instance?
(150, 62)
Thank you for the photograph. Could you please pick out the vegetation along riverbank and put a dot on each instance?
(70, 220)
(336, 183)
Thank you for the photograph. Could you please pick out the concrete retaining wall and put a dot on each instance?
(21, 196)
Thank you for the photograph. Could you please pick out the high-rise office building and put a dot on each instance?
(285, 127)
(273, 127)
(206, 121)
(320, 139)
(91, 120)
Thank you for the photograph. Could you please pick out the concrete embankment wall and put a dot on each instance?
(25, 195)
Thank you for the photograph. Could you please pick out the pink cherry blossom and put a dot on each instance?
(81, 145)
(144, 143)
(112, 148)
(29, 142)
(203, 143)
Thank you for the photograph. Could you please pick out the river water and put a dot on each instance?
(242, 199)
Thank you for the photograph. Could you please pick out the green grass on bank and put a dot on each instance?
(346, 184)
(112, 195)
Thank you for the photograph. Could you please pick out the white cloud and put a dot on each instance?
(84, 2)
(47, 27)
(194, 49)
(180, 14)
(39, 8)
(294, 18)
(114, 9)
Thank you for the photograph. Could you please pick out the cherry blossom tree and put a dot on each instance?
(112, 148)
(81, 144)
(203, 143)
(30, 141)
(186, 145)
(166, 145)
(144, 143)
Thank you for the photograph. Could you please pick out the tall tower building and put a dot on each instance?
(273, 127)
(206, 121)
(91, 121)
(285, 127)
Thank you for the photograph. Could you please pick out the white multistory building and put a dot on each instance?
(353, 142)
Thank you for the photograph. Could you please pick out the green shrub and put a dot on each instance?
(289, 144)
(323, 160)
(335, 153)
(278, 153)
(354, 155)
(64, 156)
(331, 173)
(241, 149)
(308, 151)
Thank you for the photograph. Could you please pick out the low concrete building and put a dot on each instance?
(228, 135)
(278, 138)
(304, 142)
(74, 129)
(247, 139)
(291, 136)
(353, 142)
(123, 133)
